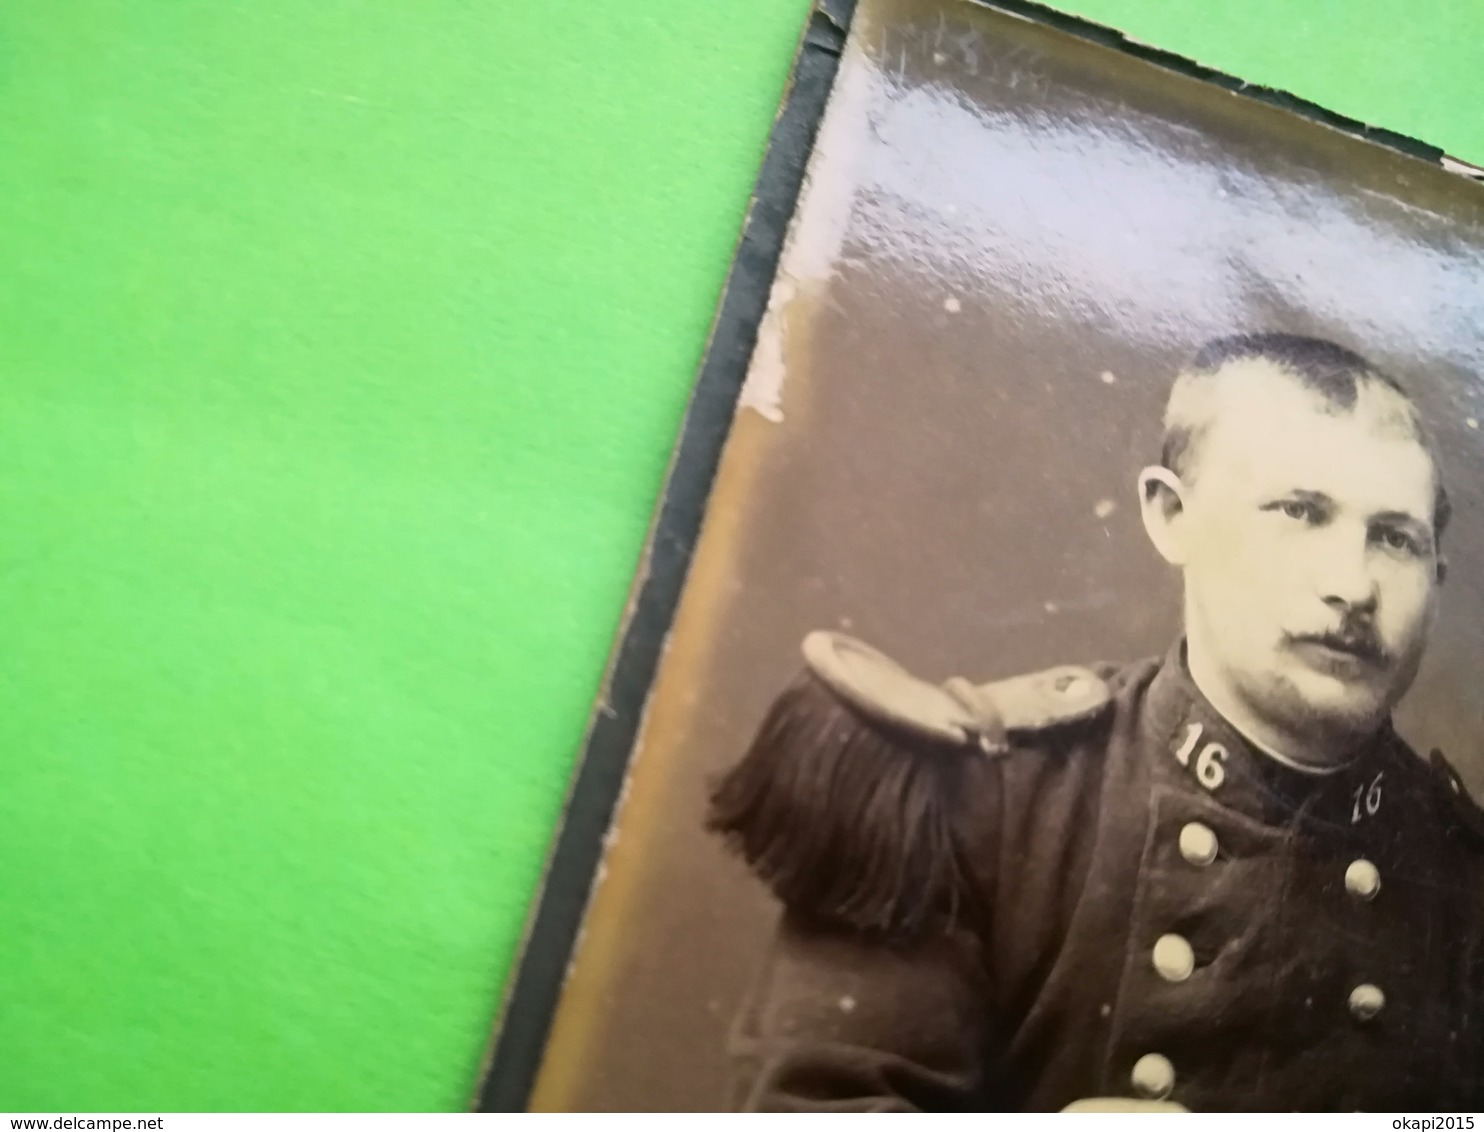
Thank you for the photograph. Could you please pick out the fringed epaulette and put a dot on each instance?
(1468, 812)
(850, 802)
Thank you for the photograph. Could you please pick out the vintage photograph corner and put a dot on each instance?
(1072, 699)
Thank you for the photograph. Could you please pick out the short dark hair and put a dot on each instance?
(1333, 372)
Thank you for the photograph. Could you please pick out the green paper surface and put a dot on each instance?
(342, 349)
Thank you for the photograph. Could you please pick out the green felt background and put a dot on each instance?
(342, 345)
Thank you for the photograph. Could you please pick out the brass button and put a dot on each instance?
(1173, 958)
(1366, 1002)
(1153, 1077)
(1198, 844)
(1362, 879)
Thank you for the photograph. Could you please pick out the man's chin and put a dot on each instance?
(1336, 704)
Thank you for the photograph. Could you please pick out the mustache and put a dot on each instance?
(1357, 638)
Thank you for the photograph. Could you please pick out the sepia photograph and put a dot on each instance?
(1074, 699)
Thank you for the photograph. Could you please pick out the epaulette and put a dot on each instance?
(854, 798)
(988, 716)
(1468, 811)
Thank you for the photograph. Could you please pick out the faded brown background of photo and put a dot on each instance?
(1009, 241)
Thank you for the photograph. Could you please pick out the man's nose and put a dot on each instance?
(1346, 582)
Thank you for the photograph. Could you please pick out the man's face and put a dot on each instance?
(1310, 560)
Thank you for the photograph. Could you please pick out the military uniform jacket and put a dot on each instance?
(1160, 911)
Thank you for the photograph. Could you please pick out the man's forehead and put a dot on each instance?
(1265, 426)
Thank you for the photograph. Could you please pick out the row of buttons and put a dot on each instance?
(1153, 1075)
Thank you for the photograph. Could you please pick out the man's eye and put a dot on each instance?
(1393, 539)
(1298, 509)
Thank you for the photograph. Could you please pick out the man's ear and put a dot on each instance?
(1162, 506)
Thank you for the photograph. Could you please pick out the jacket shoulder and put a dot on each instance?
(861, 789)
(958, 711)
(1458, 802)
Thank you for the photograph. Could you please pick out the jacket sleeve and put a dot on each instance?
(878, 832)
(838, 1023)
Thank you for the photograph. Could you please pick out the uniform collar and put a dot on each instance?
(1194, 744)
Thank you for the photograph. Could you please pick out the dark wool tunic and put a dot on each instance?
(1159, 910)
